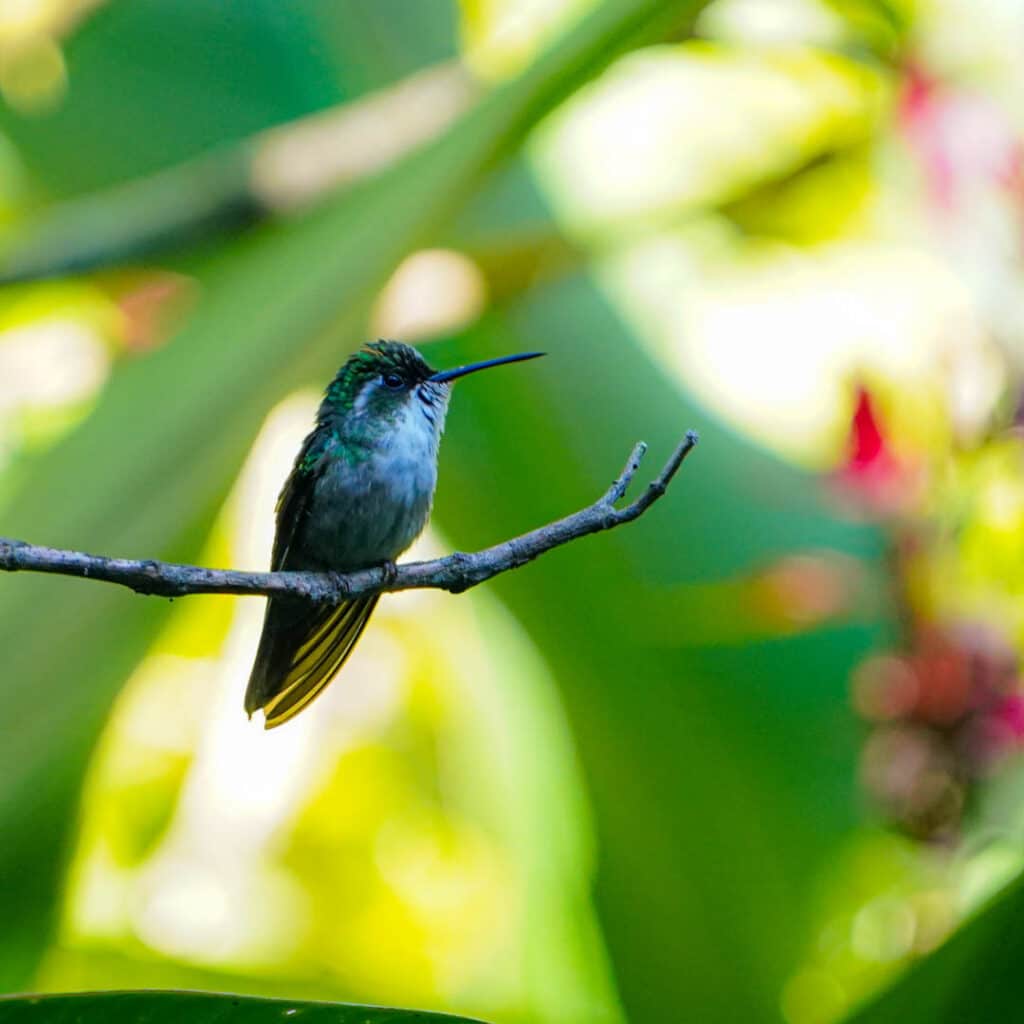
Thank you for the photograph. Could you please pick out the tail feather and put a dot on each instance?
(301, 649)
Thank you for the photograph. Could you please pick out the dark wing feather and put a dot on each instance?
(294, 500)
(302, 645)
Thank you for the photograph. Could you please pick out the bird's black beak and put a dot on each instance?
(460, 371)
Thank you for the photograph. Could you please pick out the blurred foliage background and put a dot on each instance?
(753, 758)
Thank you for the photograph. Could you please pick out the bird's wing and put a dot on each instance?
(303, 644)
(295, 497)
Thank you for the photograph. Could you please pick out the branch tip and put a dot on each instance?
(621, 483)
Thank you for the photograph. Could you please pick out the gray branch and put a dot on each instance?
(455, 573)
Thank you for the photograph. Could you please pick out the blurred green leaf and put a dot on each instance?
(884, 23)
(197, 1007)
(146, 473)
(202, 76)
(184, 204)
(160, 154)
(973, 978)
(720, 771)
(813, 204)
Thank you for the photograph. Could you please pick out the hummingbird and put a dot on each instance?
(359, 493)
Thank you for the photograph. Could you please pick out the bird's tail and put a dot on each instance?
(302, 647)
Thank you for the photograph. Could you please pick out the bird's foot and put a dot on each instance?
(340, 581)
(390, 571)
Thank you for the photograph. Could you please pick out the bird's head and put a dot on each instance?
(387, 383)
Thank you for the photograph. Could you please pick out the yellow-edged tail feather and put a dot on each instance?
(302, 649)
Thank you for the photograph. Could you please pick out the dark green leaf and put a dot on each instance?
(198, 1008)
(974, 978)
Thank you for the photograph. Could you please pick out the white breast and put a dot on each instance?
(374, 509)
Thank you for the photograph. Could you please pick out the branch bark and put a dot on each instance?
(454, 573)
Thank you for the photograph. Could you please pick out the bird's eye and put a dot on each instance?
(393, 381)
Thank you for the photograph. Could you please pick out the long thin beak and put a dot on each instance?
(461, 371)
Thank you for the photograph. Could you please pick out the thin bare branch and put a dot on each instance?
(455, 572)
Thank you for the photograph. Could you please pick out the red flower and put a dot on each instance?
(871, 475)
